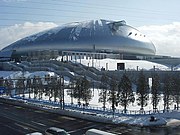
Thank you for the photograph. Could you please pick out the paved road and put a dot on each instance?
(16, 120)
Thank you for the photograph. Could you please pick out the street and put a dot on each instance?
(17, 120)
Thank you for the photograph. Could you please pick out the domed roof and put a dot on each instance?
(101, 35)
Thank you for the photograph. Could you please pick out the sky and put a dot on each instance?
(158, 19)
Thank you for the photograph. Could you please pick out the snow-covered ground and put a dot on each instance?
(172, 118)
(111, 64)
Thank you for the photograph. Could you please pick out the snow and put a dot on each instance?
(111, 64)
(17, 74)
(100, 23)
(171, 118)
(75, 33)
(133, 116)
(140, 120)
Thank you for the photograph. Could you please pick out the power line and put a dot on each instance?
(37, 14)
(112, 7)
(64, 16)
(85, 13)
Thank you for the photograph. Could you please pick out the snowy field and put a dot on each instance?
(111, 64)
(171, 118)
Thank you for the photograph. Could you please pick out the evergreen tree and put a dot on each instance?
(125, 92)
(20, 86)
(167, 92)
(71, 89)
(176, 91)
(40, 87)
(155, 91)
(51, 88)
(78, 90)
(112, 95)
(47, 85)
(35, 86)
(86, 91)
(104, 91)
(29, 86)
(60, 92)
(55, 88)
(1, 81)
(142, 91)
(8, 83)
(82, 90)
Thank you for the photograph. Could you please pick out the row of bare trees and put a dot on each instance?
(35, 87)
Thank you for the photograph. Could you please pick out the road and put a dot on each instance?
(18, 120)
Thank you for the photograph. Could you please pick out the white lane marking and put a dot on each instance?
(41, 124)
(18, 107)
(24, 127)
(68, 118)
(30, 125)
(82, 129)
(54, 121)
(14, 128)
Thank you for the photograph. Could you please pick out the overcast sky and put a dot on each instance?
(158, 19)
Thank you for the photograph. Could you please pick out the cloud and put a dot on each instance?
(13, 33)
(166, 38)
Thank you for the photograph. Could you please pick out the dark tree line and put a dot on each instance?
(117, 92)
(80, 90)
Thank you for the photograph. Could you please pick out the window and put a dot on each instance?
(129, 33)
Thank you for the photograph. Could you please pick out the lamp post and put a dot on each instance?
(62, 89)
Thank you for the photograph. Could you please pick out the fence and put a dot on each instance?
(86, 109)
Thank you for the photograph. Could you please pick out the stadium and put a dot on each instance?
(95, 36)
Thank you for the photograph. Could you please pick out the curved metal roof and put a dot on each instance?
(94, 35)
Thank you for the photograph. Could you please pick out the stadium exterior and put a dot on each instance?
(96, 36)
